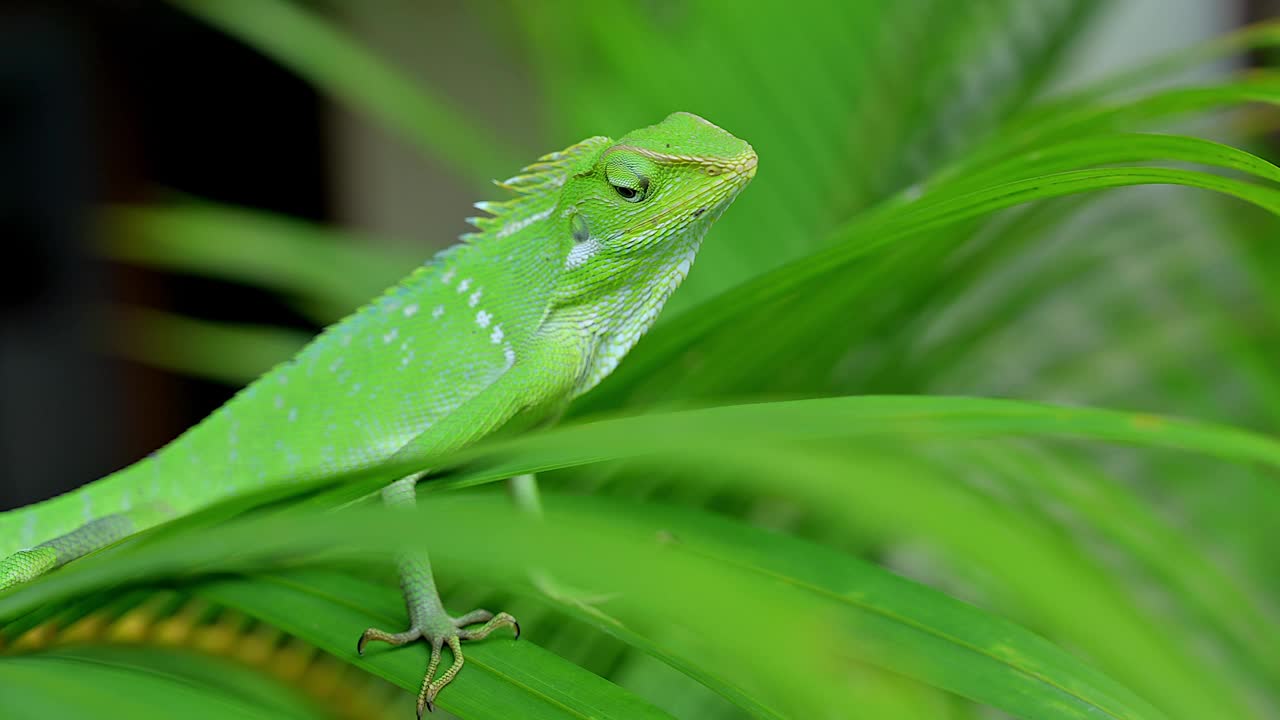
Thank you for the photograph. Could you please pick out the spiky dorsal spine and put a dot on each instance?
(551, 170)
(535, 187)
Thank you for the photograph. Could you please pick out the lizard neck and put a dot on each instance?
(611, 293)
(611, 324)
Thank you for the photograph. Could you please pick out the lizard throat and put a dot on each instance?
(616, 323)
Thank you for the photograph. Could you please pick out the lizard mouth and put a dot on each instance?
(742, 167)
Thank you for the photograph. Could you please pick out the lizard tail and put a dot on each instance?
(119, 493)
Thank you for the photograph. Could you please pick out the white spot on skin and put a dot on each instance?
(333, 366)
(447, 276)
(437, 312)
(475, 298)
(346, 340)
(483, 318)
(411, 310)
(278, 402)
(581, 253)
(510, 354)
(390, 336)
(496, 336)
(293, 414)
(464, 285)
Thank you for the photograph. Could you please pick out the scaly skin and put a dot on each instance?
(507, 327)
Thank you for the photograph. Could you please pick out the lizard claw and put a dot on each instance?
(453, 632)
(395, 639)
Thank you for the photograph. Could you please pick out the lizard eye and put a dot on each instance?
(630, 185)
(632, 189)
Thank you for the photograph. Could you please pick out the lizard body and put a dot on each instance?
(531, 310)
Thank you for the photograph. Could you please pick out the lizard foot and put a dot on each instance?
(451, 632)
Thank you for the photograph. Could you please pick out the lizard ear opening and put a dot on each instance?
(581, 232)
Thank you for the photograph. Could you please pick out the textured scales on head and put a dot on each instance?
(636, 211)
(643, 180)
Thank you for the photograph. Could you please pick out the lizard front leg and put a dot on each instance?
(427, 617)
(532, 391)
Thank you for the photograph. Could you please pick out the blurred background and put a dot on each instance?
(119, 101)
(190, 189)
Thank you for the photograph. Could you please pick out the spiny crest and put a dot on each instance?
(552, 169)
(534, 185)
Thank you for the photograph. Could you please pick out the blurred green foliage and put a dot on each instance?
(930, 220)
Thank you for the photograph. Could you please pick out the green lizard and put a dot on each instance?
(505, 328)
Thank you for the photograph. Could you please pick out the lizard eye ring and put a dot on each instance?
(630, 184)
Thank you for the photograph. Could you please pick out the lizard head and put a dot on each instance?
(652, 194)
(637, 210)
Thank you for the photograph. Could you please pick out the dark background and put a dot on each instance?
(113, 102)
